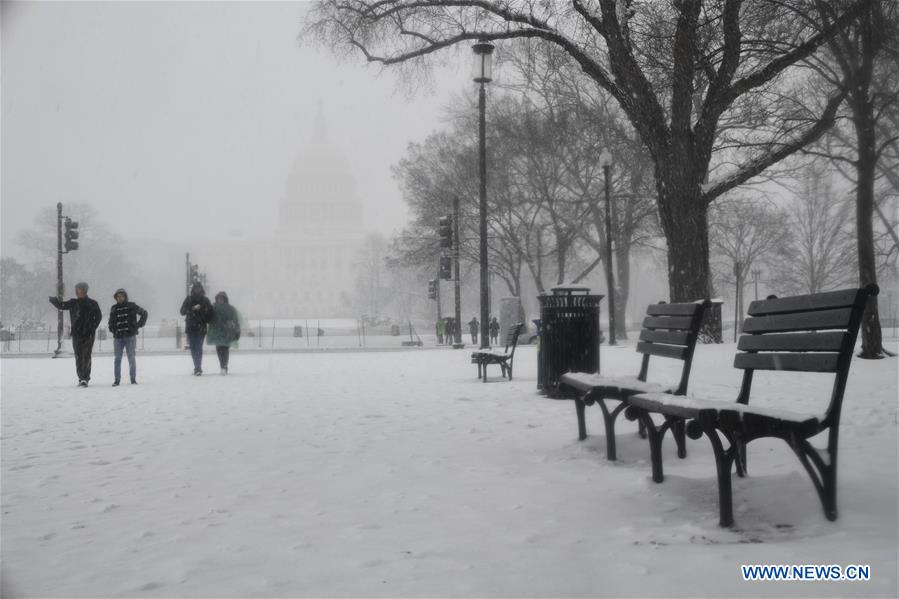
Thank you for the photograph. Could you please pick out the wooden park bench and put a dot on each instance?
(807, 333)
(483, 357)
(670, 331)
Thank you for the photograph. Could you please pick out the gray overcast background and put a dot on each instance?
(181, 120)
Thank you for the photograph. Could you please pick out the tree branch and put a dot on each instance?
(804, 50)
(759, 164)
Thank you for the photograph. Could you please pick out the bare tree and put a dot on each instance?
(863, 61)
(818, 255)
(676, 70)
(370, 286)
(743, 233)
(22, 289)
(99, 260)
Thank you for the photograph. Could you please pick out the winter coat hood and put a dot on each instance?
(122, 291)
(197, 289)
(223, 295)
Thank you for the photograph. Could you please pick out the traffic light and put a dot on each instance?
(71, 234)
(446, 268)
(445, 229)
(194, 273)
(432, 289)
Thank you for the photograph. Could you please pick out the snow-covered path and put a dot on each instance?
(376, 474)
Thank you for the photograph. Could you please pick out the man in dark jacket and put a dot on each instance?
(125, 318)
(198, 311)
(85, 317)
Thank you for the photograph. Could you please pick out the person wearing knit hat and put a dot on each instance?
(84, 317)
(125, 320)
(197, 311)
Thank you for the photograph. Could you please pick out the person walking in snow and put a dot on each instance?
(473, 326)
(224, 329)
(85, 317)
(494, 330)
(441, 329)
(197, 311)
(125, 319)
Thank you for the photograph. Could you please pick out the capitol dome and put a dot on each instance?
(320, 193)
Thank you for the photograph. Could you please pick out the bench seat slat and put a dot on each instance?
(669, 337)
(684, 309)
(802, 321)
(665, 351)
(676, 405)
(682, 323)
(585, 382)
(826, 341)
(800, 303)
(816, 362)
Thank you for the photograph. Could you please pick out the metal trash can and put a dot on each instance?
(571, 334)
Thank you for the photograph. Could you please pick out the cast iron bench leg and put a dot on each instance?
(581, 407)
(678, 430)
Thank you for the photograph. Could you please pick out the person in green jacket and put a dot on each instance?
(441, 326)
(224, 329)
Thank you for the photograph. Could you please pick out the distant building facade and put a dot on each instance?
(307, 268)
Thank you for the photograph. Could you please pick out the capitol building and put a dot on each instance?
(307, 267)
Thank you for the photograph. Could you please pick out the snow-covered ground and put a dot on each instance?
(400, 474)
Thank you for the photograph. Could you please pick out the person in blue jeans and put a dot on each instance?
(125, 320)
(197, 311)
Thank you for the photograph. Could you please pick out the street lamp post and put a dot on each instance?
(483, 74)
(605, 160)
(457, 295)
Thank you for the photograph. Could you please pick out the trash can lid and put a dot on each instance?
(570, 289)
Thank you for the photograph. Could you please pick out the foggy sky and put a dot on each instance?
(180, 121)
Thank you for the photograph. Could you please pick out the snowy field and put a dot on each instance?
(400, 474)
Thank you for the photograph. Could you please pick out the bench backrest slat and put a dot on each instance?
(671, 331)
(799, 362)
(814, 320)
(806, 333)
(682, 309)
(670, 337)
(829, 341)
(512, 336)
(804, 303)
(663, 350)
(679, 323)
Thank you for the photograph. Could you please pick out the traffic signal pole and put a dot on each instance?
(458, 311)
(437, 285)
(59, 284)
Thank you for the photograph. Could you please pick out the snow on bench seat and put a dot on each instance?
(489, 353)
(585, 381)
(689, 407)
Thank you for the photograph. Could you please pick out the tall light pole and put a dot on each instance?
(605, 160)
(483, 74)
(457, 295)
